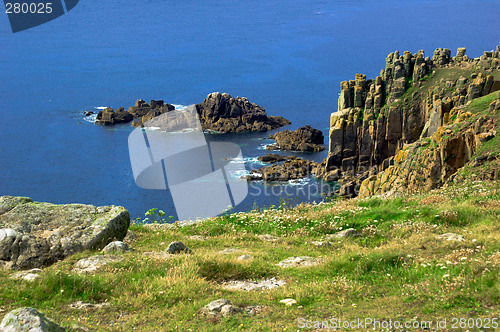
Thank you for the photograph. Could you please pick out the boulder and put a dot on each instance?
(33, 234)
(28, 320)
(350, 232)
(303, 139)
(177, 248)
(116, 247)
(94, 263)
(221, 307)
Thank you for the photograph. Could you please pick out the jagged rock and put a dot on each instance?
(28, 320)
(441, 56)
(94, 263)
(292, 169)
(109, 117)
(116, 247)
(301, 261)
(34, 235)
(460, 54)
(222, 113)
(303, 139)
(177, 248)
(145, 112)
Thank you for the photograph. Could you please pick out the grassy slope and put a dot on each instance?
(397, 269)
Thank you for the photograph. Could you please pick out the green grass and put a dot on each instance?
(396, 269)
(482, 103)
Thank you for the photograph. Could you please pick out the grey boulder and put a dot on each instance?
(28, 320)
(34, 234)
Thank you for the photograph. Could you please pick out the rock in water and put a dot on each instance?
(34, 234)
(303, 139)
(222, 113)
(293, 168)
(28, 320)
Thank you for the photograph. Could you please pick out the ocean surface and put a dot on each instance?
(287, 56)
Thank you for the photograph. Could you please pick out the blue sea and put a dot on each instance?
(287, 56)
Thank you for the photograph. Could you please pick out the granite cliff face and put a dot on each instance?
(412, 98)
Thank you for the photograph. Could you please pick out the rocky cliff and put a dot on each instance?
(411, 99)
(222, 113)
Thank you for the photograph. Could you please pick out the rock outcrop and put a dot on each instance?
(222, 113)
(142, 112)
(305, 139)
(219, 112)
(34, 234)
(413, 97)
(432, 162)
(293, 168)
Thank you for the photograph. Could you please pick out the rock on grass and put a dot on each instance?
(29, 320)
(34, 235)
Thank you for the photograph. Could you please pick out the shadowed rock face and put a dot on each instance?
(34, 234)
(222, 113)
(303, 139)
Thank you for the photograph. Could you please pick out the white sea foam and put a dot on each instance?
(239, 174)
(263, 146)
(90, 118)
(179, 107)
(246, 160)
(299, 182)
